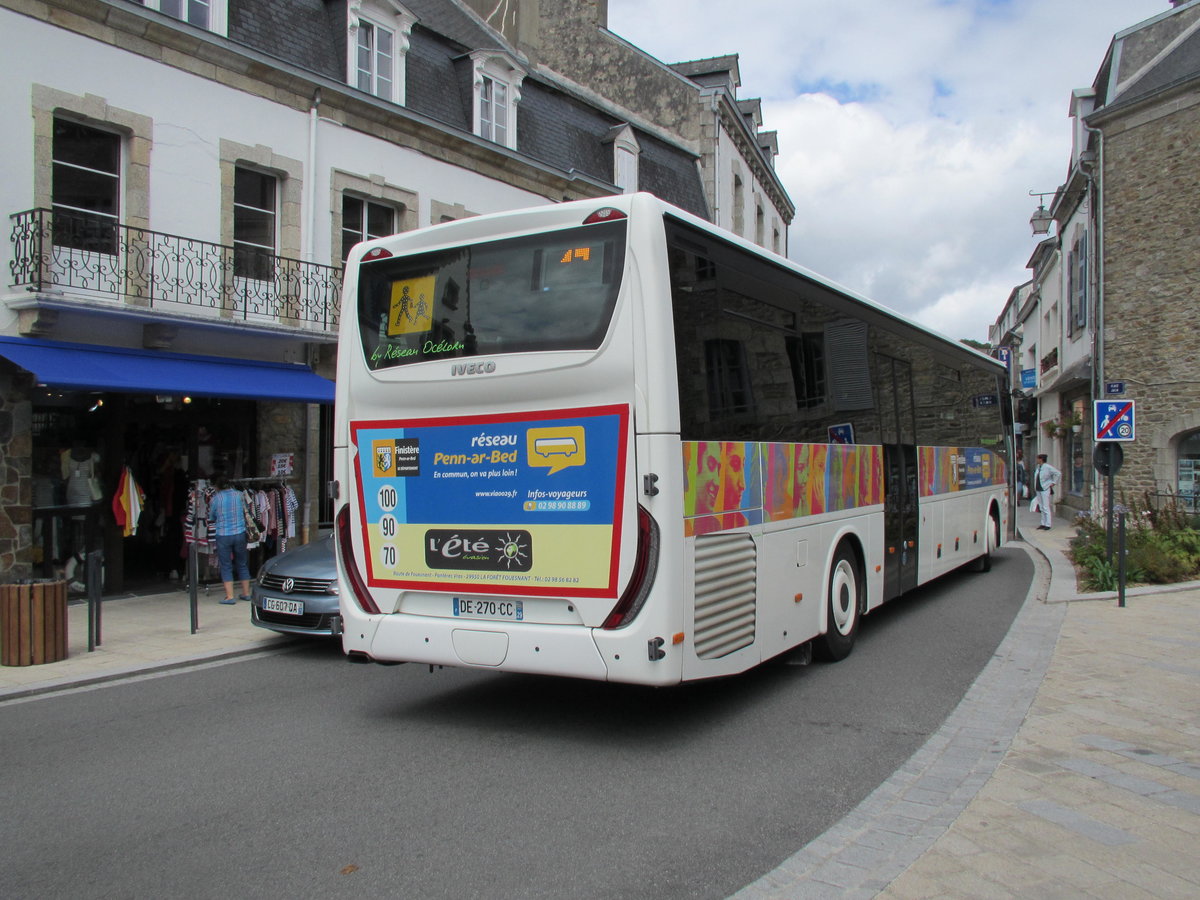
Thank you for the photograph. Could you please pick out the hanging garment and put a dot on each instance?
(127, 502)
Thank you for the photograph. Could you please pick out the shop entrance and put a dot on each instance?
(163, 443)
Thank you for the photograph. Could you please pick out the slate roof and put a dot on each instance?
(711, 71)
(1119, 83)
(553, 126)
(1179, 66)
(302, 32)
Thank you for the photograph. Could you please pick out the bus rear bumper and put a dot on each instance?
(480, 643)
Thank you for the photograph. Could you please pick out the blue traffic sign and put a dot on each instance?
(1114, 420)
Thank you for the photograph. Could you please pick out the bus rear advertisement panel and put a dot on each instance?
(504, 504)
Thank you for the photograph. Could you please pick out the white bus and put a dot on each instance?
(604, 439)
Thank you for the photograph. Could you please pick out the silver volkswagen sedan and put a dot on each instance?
(297, 593)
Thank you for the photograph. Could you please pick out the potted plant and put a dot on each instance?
(1053, 428)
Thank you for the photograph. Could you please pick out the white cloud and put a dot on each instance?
(910, 132)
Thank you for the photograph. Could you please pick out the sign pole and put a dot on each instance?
(1109, 505)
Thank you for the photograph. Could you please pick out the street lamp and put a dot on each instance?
(1041, 218)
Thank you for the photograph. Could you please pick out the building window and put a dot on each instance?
(363, 220)
(627, 171)
(377, 41)
(376, 60)
(493, 110)
(1078, 283)
(626, 151)
(806, 354)
(739, 202)
(255, 215)
(207, 14)
(729, 390)
(86, 187)
(497, 87)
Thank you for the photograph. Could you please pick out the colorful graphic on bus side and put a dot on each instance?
(948, 469)
(513, 504)
(731, 484)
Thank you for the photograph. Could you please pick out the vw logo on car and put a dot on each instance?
(289, 585)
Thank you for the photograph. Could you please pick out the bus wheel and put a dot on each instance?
(844, 605)
(984, 563)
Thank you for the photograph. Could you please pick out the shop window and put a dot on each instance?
(1188, 487)
(1077, 480)
(210, 15)
(255, 215)
(364, 220)
(86, 187)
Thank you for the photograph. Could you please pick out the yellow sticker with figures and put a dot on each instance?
(556, 448)
(411, 310)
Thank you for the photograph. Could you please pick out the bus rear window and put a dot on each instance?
(549, 291)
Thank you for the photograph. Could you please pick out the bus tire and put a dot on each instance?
(984, 563)
(844, 606)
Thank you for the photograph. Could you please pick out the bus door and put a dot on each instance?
(900, 519)
(901, 511)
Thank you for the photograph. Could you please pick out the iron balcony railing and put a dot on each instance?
(95, 257)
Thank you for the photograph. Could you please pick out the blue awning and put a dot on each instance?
(90, 367)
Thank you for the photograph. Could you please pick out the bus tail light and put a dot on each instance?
(605, 214)
(645, 565)
(358, 587)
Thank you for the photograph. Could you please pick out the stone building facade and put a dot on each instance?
(1116, 324)
(1152, 273)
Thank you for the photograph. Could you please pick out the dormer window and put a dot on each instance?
(210, 15)
(376, 60)
(493, 110)
(626, 151)
(377, 43)
(497, 91)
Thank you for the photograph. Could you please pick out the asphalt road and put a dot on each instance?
(298, 775)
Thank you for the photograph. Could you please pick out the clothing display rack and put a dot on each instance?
(274, 510)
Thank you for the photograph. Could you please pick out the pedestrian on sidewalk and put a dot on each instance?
(229, 525)
(1045, 477)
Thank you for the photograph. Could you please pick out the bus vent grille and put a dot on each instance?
(726, 584)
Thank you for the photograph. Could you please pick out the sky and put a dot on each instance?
(910, 131)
